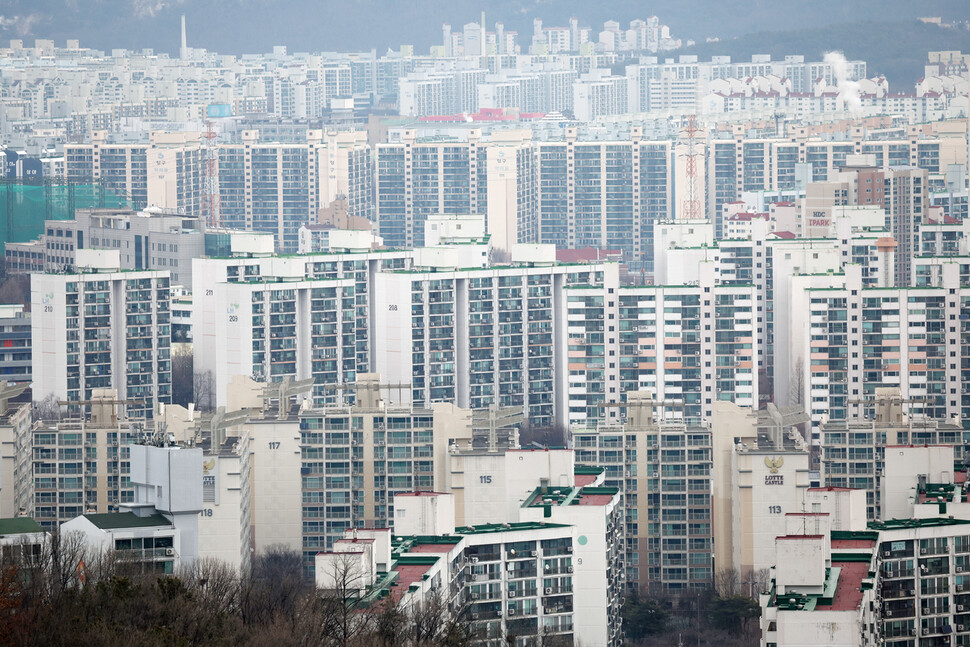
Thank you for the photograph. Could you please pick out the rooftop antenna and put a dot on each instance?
(692, 206)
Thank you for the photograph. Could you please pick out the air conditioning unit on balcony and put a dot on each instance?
(961, 627)
(889, 614)
(474, 596)
(569, 549)
(926, 631)
(473, 560)
(512, 594)
(959, 569)
(886, 553)
(511, 612)
(961, 607)
(474, 616)
(169, 552)
(569, 569)
(547, 590)
(922, 551)
(535, 553)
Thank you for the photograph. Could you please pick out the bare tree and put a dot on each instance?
(15, 288)
(345, 581)
(762, 580)
(551, 436)
(204, 388)
(47, 409)
(727, 582)
(183, 378)
(275, 585)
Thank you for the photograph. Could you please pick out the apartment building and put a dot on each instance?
(79, 464)
(15, 345)
(528, 586)
(775, 164)
(334, 346)
(899, 581)
(276, 187)
(688, 345)
(153, 238)
(417, 178)
(225, 520)
(502, 580)
(906, 203)
(598, 575)
(606, 195)
(16, 492)
(356, 461)
(159, 529)
(853, 450)
(102, 328)
(663, 470)
(481, 337)
(599, 93)
(857, 339)
(166, 172)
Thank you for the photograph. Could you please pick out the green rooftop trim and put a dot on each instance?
(600, 489)
(18, 526)
(510, 527)
(851, 557)
(122, 520)
(401, 545)
(426, 560)
(855, 534)
(380, 590)
(903, 524)
(560, 495)
(588, 470)
(563, 496)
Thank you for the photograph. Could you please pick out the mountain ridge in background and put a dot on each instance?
(254, 26)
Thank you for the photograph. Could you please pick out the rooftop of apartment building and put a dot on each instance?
(586, 475)
(413, 557)
(548, 496)
(126, 520)
(910, 524)
(18, 526)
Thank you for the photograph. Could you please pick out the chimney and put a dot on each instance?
(183, 52)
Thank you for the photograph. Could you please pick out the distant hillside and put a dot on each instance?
(253, 26)
(896, 50)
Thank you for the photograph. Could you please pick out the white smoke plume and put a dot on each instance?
(20, 25)
(848, 89)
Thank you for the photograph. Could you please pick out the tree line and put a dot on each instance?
(63, 594)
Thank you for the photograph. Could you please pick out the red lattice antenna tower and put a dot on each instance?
(210, 190)
(688, 136)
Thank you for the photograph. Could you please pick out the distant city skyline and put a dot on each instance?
(222, 25)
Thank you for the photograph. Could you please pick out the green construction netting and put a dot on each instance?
(25, 206)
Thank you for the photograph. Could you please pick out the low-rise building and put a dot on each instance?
(22, 540)
(152, 542)
(159, 529)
